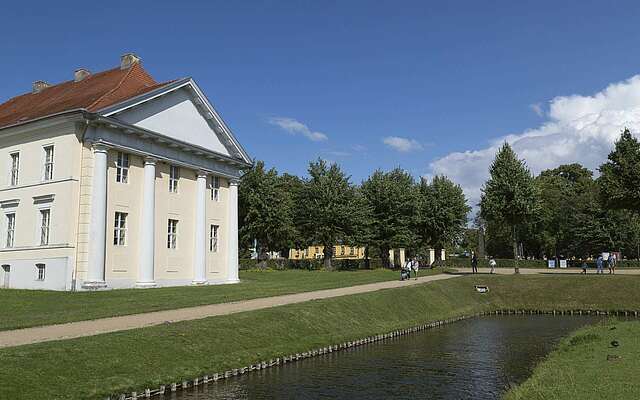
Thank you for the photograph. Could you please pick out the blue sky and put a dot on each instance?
(442, 81)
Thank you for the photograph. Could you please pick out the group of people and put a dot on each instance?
(611, 264)
(410, 265)
(474, 264)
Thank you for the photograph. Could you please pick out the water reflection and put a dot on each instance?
(473, 359)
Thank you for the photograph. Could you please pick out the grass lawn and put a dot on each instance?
(94, 367)
(26, 308)
(587, 367)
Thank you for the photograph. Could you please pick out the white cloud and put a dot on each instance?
(537, 108)
(401, 144)
(294, 127)
(579, 129)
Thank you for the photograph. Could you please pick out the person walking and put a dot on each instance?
(474, 263)
(492, 264)
(611, 263)
(584, 268)
(599, 264)
(415, 266)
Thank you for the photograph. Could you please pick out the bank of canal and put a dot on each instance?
(478, 358)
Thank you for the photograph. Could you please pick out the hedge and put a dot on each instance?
(510, 263)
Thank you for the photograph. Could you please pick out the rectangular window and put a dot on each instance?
(120, 229)
(213, 238)
(45, 218)
(215, 188)
(172, 234)
(122, 168)
(15, 168)
(48, 163)
(174, 175)
(11, 229)
(40, 271)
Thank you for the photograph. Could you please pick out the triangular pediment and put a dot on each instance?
(183, 114)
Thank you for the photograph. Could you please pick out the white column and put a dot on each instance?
(98, 227)
(199, 256)
(232, 233)
(147, 226)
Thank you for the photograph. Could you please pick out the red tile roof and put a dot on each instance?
(93, 93)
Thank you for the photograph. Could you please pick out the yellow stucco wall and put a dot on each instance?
(71, 189)
(63, 188)
(339, 251)
(170, 264)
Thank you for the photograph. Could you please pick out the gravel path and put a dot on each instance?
(114, 324)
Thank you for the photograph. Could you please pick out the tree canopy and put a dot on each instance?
(620, 176)
(266, 210)
(331, 210)
(443, 211)
(392, 200)
(509, 197)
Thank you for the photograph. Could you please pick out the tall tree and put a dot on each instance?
(509, 196)
(568, 196)
(442, 215)
(620, 176)
(266, 210)
(392, 199)
(330, 208)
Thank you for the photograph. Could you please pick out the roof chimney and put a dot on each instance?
(39, 86)
(128, 60)
(80, 74)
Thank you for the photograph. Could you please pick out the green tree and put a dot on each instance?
(568, 199)
(509, 196)
(265, 210)
(620, 176)
(442, 215)
(392, 200)
(331, 210)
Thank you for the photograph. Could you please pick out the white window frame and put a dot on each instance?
(172, 234)
(45, 224)
(41, 272)
(120, 228)
(122, 167)
(214, 237)
(174, 177)
(10, 232)
(14, 168)
(215, 188)
(49, 153)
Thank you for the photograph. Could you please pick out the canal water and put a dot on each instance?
(472, 359)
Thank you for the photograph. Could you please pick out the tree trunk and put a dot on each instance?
(481, 248)
(262, 258)
(367, 263)
(328, 254)
(515, 250)
(384, 257)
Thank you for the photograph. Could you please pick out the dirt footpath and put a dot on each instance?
(114, 324)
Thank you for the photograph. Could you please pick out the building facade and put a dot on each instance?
(113, 180)
(317, 252)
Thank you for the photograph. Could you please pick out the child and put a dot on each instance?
(492, 264)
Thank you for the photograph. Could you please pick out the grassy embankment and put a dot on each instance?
(587, 367)
(94, 367)
(26, 308)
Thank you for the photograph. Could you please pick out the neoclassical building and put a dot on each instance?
(113, 180)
